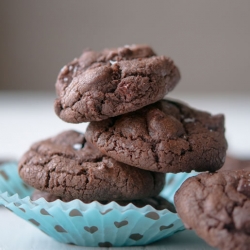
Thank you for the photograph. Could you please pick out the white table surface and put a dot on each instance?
(29, 117)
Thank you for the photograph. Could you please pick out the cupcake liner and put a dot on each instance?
(173, 182)
(91, 224)
(11, 182)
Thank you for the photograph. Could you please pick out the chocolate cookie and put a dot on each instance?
(157, 202)
(104, 84)
(67, 166)
(217, 207)
(164, 137)
(233, 163)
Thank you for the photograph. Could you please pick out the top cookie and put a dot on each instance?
(163, 137)
(105, 84)
(217, 207)
(69, 167)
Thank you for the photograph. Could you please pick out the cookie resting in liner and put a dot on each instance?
(85, 224)
(68, 167)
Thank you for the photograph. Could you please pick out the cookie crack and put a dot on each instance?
(230, 227)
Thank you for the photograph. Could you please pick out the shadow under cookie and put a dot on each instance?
(157, 202)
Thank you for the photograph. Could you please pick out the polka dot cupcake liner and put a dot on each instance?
(90, 224)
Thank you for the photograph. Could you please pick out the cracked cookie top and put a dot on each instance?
(164, 137)
(69, 167)
(217, 207)
(99, 85)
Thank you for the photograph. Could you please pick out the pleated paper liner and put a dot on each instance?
(11, 182)
(91, 224)
(173, 183)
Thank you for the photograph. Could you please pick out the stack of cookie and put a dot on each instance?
(134, 136)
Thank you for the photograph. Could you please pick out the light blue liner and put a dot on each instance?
(11, 182)
(173, 183)
(91, 224)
